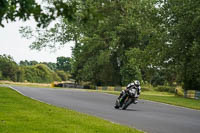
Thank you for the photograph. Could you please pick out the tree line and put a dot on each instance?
(117, 41)
(33, 71)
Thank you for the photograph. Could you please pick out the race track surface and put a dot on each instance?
(147, 116)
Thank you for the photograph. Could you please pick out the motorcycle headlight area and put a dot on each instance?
(132, 91)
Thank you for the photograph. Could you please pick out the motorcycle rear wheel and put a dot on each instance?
(116, 104)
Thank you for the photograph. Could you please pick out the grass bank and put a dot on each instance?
(20, 114)
(171, 99)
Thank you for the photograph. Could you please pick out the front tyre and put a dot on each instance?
(125, 105)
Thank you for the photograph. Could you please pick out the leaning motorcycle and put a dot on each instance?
(128, 98)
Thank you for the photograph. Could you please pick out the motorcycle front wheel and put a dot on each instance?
(127, 103)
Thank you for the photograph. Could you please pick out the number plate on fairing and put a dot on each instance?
(133, 92)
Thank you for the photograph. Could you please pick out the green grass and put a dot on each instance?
(169, 98)
(20, 114)
(39, 85)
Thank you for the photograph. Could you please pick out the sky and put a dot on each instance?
(11, 43)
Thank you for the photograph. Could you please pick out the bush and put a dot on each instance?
(8, 68)
(56, 77)
(44, 73)
(30, 74)
(63, 75)
(40, 73)
(165, 89)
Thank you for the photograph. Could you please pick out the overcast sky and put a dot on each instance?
(11, 43)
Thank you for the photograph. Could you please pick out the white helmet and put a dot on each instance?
(137, 83)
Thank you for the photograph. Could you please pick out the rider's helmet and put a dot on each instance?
(137, 83)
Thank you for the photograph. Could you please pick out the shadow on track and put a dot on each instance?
(131, 110)
(128, 110)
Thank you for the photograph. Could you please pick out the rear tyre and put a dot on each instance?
(117, 104)
(116, 107)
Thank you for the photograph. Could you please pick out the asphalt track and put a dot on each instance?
(147, 116)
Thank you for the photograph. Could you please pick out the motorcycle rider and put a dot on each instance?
(135, 84)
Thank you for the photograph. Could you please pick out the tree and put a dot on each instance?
(20, 74)
(102, 52)
(51, 65)
(8, 68)
(12, 10)
(153, 38)
(24, 63)
(99, 55)
(63, 63)
(28, 63)
(131, 69)
(182, 22)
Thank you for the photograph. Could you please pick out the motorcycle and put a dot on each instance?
(128, 98)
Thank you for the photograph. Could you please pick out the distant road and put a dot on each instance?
(148, 116)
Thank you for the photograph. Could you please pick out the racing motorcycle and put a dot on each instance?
(128, 98)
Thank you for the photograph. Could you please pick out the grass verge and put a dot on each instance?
(20, 114)
(173, 100)
(40, 85)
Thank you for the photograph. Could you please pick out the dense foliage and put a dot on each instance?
(12, 10)
(63, 63)
(117, 41)
(8, 68)
(182, 22)
(31, 71)
(40, 73)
